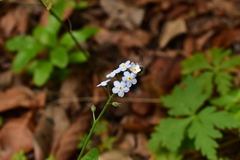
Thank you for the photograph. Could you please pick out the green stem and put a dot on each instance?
(94, 125)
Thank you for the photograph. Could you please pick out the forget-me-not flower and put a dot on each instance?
(103, 83)
(124, 66)
(120, 88)
(129, 78)
(113, 73)
(135, 68)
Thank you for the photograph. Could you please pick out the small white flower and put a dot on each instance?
(129, 78)
(120, 88)
(124, 66)
(113, 73)
(103, 83)
(135, 68)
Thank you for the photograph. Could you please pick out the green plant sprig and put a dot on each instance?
(94, 125)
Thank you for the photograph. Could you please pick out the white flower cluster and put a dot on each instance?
(128, 79)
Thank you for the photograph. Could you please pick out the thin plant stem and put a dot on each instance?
(94, 125)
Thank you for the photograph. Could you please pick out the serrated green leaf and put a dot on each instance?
(230, 63)
(223, 80)
(82, 5)
(81, 36)
(91, 155)
(185, 101)
(196, 62)
(42, 72)
(229, 101)
(169, 127)
(205, 80)
(203, 129)
(163, 154)
(77, 57)
(218, 54)
(203, 138)
(59, 57)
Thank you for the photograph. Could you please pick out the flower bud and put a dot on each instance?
(116, 104)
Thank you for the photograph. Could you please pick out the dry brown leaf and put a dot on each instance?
(115, 155)
(14, 21)
(225, 7)
(69, 140)
(121, 13)
(142, 141)
(172, 29)
(6, 78)
(20, 97)
(15, 135)
(51, 126)
(177, 11)
(138, 38)
(204, 39)
(189, 46)
(69, 94)
(226, 38)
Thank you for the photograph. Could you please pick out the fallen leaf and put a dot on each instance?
(121, 13)
(176, 11)
(204, 39)
(15, 135)
(48, 133)
(20, 97)
(68, 143)
(115, 155)
(189, 46)
(142, 141)
(226, 38)
(170, 30)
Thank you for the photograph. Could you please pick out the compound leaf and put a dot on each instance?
(218, 54)
(223, 81)
(196, 62)
(230, 63)
(169, 133)
(185, 101)
(77, 57)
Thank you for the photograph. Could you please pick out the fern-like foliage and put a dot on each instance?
(190, 119)
(213, 70)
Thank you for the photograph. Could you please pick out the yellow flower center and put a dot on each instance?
(134, 69)
(120, 88)
(124, 65)
(129, 78)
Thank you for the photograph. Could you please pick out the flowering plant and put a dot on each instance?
(121, 86)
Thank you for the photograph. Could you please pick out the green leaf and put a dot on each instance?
(91, 155)
(48, 3)
(185, 101)
(203, 129)
(42, 73)
(205, 80)
(223, 80)
(18, 43)
(25, 54)
(51, 157)
(100, 127)
(169, 133)
(45, 35)
(196, 62)
(19, 156)
(203, 139)
(59, 57)
(82, 5)
(230, 63)
(77, 57)
(80, 35)
(218, 54)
